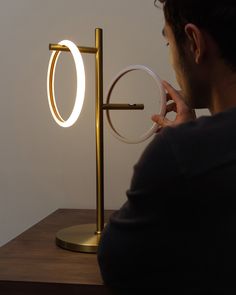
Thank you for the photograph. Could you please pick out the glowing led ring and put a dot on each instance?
(155, 126)
(80, 91)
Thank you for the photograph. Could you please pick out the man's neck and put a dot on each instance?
(223, 90)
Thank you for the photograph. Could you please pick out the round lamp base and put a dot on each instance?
(79, 238)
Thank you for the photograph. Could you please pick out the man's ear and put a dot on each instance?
(197, 42)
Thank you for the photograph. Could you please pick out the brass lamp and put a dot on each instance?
(84, 238)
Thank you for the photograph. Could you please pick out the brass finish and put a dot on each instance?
(58, 47)
(52, 99)
(79, 238)
(85, 238)
(99, 131)
(122, 106)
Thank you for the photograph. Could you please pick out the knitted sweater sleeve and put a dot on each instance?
(124, 244)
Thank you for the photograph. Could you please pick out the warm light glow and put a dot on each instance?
(80, 91)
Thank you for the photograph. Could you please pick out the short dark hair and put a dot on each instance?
(217, 17)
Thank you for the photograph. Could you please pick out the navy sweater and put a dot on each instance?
(177, 229)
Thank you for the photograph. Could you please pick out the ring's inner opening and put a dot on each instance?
(65, 84)
(135, 87)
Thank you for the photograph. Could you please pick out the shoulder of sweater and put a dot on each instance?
(204, 143)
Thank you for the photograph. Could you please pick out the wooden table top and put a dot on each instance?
(33, 259)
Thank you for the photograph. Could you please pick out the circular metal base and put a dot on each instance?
(79, 238)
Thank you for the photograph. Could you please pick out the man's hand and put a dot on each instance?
(183, 112)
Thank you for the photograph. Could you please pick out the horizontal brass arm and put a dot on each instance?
(64, 48)
(122, 106)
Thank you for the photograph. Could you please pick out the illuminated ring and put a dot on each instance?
(80, 91)
(155, 126)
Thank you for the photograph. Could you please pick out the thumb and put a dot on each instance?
(161, 120)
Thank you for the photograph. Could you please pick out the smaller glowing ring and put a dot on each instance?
(155, 126)
(80, 91)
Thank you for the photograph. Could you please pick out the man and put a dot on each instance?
(177, 230)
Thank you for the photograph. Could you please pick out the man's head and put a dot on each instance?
(198, 32)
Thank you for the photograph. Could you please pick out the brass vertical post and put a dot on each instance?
(99, 130)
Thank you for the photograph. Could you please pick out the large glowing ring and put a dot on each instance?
(80, 91)
(162, 92)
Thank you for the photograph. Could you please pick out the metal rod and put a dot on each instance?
(64, 48)
(122, 106)
(99, 131)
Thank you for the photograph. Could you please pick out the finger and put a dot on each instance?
(172, 92)
(161, 120)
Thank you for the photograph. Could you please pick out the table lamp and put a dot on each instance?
(85, 237)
